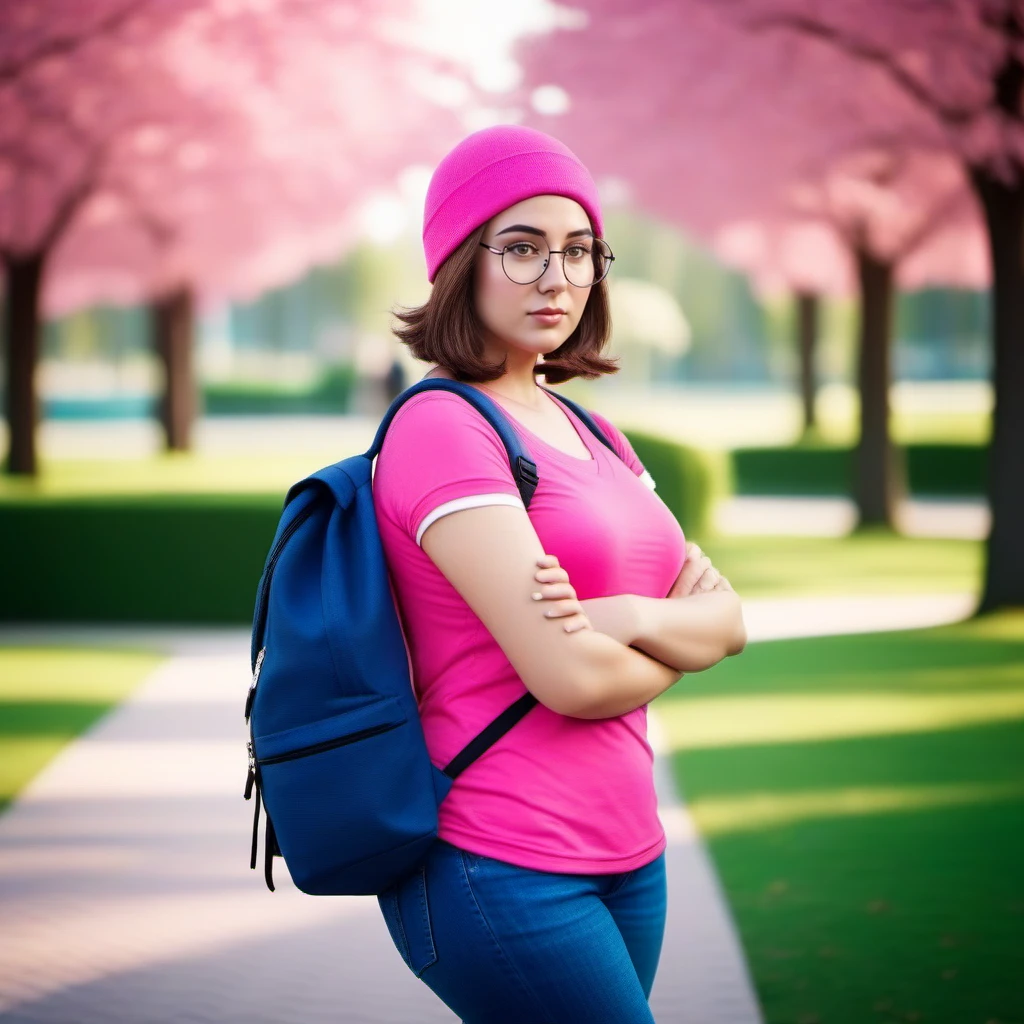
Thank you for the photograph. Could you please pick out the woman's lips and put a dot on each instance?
(547, 318)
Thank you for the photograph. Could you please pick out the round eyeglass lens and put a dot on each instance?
(585, 262)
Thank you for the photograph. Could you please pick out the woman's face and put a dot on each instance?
(506, 308)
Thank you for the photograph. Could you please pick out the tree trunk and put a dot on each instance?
(21, 339)
(173, 335)
(1004, 561)
(807, 338)
(878, 468)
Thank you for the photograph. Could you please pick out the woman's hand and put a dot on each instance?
(557, 595)
(698, 575)
(615, 616)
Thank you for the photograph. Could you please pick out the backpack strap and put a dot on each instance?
(489, 736)
(586, 417)
(524, 469)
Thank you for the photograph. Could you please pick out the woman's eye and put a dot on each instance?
(577, 252)
(522, 249)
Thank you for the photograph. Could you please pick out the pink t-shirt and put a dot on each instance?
(555, 793)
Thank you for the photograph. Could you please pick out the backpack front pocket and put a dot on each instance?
(322, 746)
(349, 796)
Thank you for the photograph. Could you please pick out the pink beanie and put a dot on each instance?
(491, 170)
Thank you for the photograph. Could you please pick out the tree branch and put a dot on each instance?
(160, 232)
(952, 115)
(59, 45)
(72, 201)
(943, 210)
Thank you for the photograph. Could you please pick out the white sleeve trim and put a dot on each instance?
(646, 478)
(470, 501)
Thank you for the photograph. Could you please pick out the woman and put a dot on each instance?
(544, 898)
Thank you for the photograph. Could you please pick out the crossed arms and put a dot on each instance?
(590, 659)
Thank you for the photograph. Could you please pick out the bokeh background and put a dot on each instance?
(209, 211)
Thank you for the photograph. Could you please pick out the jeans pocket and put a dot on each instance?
(407, 915)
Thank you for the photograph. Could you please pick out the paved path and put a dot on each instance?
(835, 517)
(127, 898)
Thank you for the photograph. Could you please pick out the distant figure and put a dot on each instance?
(394, 381)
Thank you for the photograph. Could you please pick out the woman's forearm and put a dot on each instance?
(614, 679)
(689, 633)
(641, 646)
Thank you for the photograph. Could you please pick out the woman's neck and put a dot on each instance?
(523, 392)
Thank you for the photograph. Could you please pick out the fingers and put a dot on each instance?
(553, 591)
(571, 611)
(550, 571)
(559, 595)
(694, 572)
(558, 575)
(712, 580)
(698, 575)
(559, 599)
(708, 580)
(577, 624)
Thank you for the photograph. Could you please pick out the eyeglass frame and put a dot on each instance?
(547, 263)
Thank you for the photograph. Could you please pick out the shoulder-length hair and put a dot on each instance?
(446, 329)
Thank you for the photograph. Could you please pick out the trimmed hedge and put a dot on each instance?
(332, 393)
(932, 469)
(689, 480)
(185, 559)
(954, 469)
(198, 558)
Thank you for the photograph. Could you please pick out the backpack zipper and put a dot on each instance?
(271, 563)
(255, 679)
(264, 597)
(318, 748)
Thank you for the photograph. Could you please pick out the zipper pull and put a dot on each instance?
(250, 696)
(251, 778)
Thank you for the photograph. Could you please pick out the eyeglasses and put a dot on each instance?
(583, 264)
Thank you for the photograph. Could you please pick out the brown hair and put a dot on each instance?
(446, 329)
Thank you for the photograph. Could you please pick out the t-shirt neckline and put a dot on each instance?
(582, 430)
(578, 425)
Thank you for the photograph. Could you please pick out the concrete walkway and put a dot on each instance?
(967, 519)
(127, 898)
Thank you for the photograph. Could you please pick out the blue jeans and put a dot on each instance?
(501, 944)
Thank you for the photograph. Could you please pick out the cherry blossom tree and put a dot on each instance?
(885, 218)
(804, 259)
(742, 111)
(961, 68)
(163, 152)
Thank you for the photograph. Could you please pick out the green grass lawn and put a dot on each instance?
(869, 562)
(171, 473)
(48, 696)
(863, 800)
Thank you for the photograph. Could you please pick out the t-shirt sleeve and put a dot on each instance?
(440, 456)
(624, 448)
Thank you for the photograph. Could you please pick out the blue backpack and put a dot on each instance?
(336, 751)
